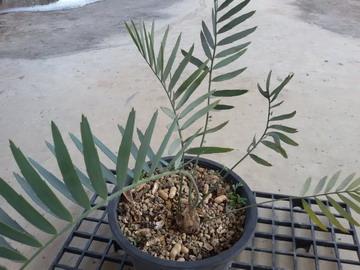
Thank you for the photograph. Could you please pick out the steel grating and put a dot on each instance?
(285, 238)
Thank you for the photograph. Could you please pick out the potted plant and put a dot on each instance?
(177, 212)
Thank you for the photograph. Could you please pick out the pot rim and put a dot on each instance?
(249, 228)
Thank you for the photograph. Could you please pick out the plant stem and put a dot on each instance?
(103, 203)
(168, 94)
(212, 60)
(256, 144)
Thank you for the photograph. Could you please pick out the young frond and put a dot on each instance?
(331, 189)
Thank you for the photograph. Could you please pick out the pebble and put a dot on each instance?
(163, 194)
(207, 198)
(172, 192)
(220, 199)
(155, 188)
(181, 260)
(206, 189)
(208, 247)
(184, 250)
(175, 250)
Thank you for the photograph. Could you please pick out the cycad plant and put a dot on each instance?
(222, 44)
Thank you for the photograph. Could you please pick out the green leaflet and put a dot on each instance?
(229, 59)
(268, 79)
(354, 185)
(174, 146)
(168, 112)
(91, 159)
(134, 151)
(306, 186)
(190, 90)
(214, 129)
(345, 182)
(320, 185)
(233, 11)
(208, 35)
(148, 48)
(180, 69)
(332, 181)
(31, 193)
(329, 215)
(171, 58)
(213, 20)
(151, 43)
(194, 104)
(236, 36)
(140, 160)
(259, 160)
(232, 50)
(67, 169)
(284, 138)
(276, 147)
(228, 76)
(106, 150)
(164, 143)
(11, 229)
(225, 4)
(132, 35)
(265, 94)
(160, 59)
(235, 22)
(223, 107)
(25, 209)
(8, 252)
(190, 80)
(350, 203)
(205, 45)
(276, 92)
(196, 116)
(277, 104)
(230, 93)
(139, 38)
(313, 216)
(283, 116)
(208, 150)
(107, 174)
(193, 60)
(44, 193)
(342, 211)
(150, 153)
(125, 149)
(284, 128)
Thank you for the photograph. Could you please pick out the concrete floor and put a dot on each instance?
(56, 66)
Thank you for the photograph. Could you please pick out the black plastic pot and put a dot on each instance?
(145, 261)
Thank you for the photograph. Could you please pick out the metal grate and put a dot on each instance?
(285, 238)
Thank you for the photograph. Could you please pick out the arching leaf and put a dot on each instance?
(283, 116)
(208, 35)
(205, 150)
